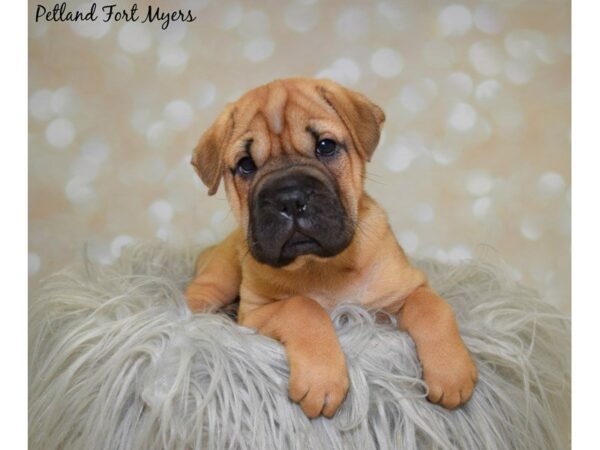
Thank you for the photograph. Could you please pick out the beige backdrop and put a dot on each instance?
(475, 158)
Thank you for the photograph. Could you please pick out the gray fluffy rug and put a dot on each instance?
(118, 362)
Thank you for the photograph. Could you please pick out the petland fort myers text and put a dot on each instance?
(111, 12)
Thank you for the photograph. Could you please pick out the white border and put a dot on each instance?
(13, 117)
(586, 222)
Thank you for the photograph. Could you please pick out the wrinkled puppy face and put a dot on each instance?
(292, 156)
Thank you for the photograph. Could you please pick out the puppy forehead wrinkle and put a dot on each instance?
(298, 138)
(275, 106)
(261, 142)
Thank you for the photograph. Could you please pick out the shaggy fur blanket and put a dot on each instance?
(117, 361)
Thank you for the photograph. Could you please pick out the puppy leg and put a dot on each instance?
(448, 369)
(318, 375)
(218, 277)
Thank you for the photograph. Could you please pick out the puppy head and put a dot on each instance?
(292, 156)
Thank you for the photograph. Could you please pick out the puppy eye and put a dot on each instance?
(246, 166)
(326, 147)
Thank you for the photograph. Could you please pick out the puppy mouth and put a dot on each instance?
(299, 244)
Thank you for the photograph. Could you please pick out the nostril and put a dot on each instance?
(300, 207)
(291, 206)
(284, 210)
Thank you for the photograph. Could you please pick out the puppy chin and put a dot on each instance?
(296, 250)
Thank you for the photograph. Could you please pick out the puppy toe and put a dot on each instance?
(312, 404)
(451, 400)
(333, 401)
(435, 392)
(297, 390)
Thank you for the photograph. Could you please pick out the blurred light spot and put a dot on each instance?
(459, 253)
(259, 49)
(85, 168)
(89, 29)
(487, 91)
(134, 38)
(65, 101)
(78, 190)
(301, 18)
(418, 96)
(445, 154)
(486, 58)
(439, 54)
(531, 228)
(455, 20)
(400, 158)
(95, 149)
(161, 212)
(344, 70)
(423, 212)
(387, 62)
(481, 207)
(408, 240)
(525, 44)
(179, 114)
(98, 251)
(230, 15)
(172, 59)
(516, 274)
(117, 244)
(352, 24)
(203, 93)
(519, 72)
(489, 19)
(462, 117)
(479, 182)
(205, 237)
(459, 84)
(163, 233)
(40, 104)
(551, 184)
(158, 134)
(33, 263)
(60, 133)
(438, 254)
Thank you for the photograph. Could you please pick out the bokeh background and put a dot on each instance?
(474, 160)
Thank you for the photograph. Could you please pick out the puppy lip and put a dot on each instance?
(298, 238)
(298, 244)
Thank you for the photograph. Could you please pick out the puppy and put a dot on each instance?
(292, 156)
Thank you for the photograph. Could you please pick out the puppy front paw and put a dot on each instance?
(450, 375)
(318, 383)
(202, 298)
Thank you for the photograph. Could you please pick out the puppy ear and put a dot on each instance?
(207, 158)
(363, 118)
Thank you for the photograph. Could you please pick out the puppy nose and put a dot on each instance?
(291, 202)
